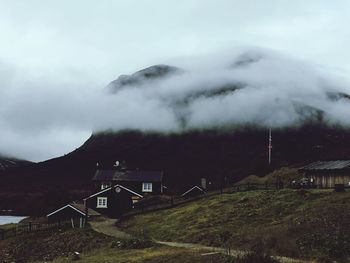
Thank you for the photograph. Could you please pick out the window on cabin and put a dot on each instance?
(101, 202)
(146, 187)
(105, 185)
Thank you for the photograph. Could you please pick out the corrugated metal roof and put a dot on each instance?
(139, 176)
(328, 165)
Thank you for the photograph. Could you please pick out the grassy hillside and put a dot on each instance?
(296, 223)
(59, 246)
(147, 255)
(47, 245)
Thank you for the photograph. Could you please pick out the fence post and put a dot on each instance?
(30, 226)
(86, 212)
(2, 234)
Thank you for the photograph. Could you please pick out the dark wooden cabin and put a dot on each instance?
(72, 212)
(194, 191)
(145, 182)
(113, 201)
(327, 174)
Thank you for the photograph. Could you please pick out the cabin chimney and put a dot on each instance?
(204, 183)
(116, 164)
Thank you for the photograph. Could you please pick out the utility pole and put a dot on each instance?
(270, 146)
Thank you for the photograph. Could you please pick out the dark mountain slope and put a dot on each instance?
(216, 153)
(142, 77)
(187, 157)
(7, 162)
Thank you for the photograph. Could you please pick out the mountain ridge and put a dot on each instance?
(223, 153)
(10, 162)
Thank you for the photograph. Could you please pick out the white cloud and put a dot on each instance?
(57, 56)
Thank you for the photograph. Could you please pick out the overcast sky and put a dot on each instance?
(55, 54)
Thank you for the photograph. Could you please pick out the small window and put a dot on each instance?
(101, 202)
(146, 187)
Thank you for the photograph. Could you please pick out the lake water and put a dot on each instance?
(10, 219)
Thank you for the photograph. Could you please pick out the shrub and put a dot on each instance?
(132, 243)
(257, 254)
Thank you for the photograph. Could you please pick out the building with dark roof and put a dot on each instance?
(141, 182)
(327, 174)
(74, 212)
(113, 201)
(194, 191)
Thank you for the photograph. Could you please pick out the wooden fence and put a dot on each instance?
(175, 201)
(250, 186)
(22, 228)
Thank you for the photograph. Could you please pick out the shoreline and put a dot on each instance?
(9, 219)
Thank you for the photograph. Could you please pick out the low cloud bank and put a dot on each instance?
(254, 86)
(42, 117)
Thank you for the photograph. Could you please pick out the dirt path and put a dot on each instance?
(107, 226)
(234, 253)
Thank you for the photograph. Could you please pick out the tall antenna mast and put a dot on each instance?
(270, 146)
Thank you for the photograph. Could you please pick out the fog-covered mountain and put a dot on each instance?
(143, 77)
(255, 87)
(249, 87)
(194, 123)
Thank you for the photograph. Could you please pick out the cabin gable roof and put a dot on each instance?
(113, 187)
(192, 189)
(137, 176)
(80, 208)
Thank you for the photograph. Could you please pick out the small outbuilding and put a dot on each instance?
(74, 212)
(328, 174)
(113, 201)
(194, 191)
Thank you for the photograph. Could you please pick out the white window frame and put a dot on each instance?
(147, 187)
(101, 202)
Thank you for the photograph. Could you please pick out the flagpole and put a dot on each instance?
(270, 146)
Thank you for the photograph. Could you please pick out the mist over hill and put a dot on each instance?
(229, 90)
(252, 87)
(205, 120)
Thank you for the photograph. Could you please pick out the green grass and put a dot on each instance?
(287, 221)
(59, 246)
(159, 254)
(47, 245)
(8, 226)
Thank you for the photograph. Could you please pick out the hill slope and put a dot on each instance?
(187, 157)
(289, 222)
(6, 162)
(222, 146)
